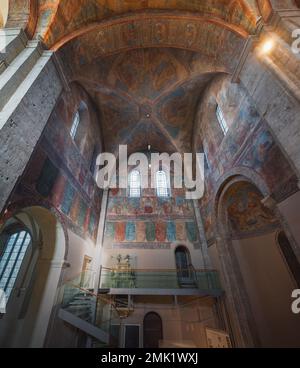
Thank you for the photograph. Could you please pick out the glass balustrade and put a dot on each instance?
(99, 310)
(160, 279)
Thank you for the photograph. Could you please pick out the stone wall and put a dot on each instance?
(59, 174)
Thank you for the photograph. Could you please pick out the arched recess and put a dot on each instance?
(257, 276)
(28, 313)
(23, 14)
(153, 330)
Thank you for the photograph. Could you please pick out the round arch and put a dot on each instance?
(248, 251)
(29, 315)
(237, 300)
(241, 14)
(153, 330)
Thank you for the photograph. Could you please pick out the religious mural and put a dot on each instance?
(149, 222)
(246, 213)
(248, 144)
(61, 17)
(145, 95)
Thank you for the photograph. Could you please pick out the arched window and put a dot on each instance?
(75, 124)
(15, 246)
(183, 266)
(221, 120)
(135, 184)
(162, 187)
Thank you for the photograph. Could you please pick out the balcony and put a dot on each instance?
(161, 282)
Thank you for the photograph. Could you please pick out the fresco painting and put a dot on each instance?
(148, 205)
(171, 231)
(74, 212)
(59, 176)
(160, 231)
(70, 16)
(47, 178)
(68, 199)
(180, 231)
(120, 231)
(141, 231)
(150, 231)
(246, 212)
(130, 231)
(109, 231)
(249, 145)
(82, 213)
(191, 231)
(133, 221)
(92, 224)
(147, 231)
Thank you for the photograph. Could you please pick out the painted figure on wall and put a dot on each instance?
(245, 210)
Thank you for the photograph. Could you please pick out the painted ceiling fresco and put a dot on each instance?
(145, 96)
(145, 63)
(55, 20)
(146, 74)
(59, 18)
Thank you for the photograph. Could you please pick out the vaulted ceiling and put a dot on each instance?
(146, 96)
(59, 19)
(145, 63)
(147, 71)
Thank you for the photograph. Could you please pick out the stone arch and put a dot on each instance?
(17, 206)
(234, 248)
(238, 174)
(37, 296)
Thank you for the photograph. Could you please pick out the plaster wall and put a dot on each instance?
(269, 286)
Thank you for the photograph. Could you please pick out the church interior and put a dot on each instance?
(86, 267)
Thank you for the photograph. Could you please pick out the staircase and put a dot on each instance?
(94, 315)
(82, 305)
